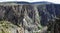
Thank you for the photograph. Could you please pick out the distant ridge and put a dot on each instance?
(24, 2)
(42, 2)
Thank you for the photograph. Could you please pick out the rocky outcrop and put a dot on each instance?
(22, 15)
(31, 17)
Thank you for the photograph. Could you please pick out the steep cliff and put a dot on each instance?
(31, 18)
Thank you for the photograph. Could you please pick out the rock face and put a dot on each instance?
(32, 17)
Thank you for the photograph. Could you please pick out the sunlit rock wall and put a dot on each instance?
(32, 17)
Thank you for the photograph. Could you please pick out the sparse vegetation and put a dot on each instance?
(5, 26)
